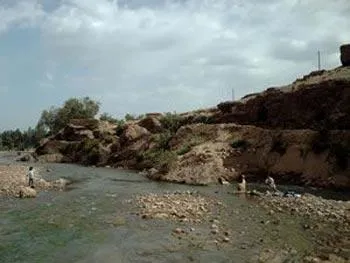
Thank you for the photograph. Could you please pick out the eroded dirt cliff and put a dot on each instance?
(298, 133)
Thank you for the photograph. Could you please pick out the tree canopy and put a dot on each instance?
(54, 119)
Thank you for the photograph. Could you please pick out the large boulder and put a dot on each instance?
(133, 132)
(26, 158)
(52, 158)
(74, 133)
(52, 146)
(60, 184)
(90, 124)
(312, 106)
(26, 192)
(152, 124)
(345, 55)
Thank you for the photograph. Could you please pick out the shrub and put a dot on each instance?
(89, 151)
(162, 140)
(240, 143)
(120, 128)
(204, 119)
(171, 122)
(160, 159)
(185, 149)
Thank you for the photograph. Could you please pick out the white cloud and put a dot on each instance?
(22, 13)
(138, 56)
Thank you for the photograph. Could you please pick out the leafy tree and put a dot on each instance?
(48, 120)
(54, 119)
(130, 117)
(17, 140)
(107, 117)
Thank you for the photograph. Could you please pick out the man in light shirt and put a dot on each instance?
(271, 183)
(31, 177)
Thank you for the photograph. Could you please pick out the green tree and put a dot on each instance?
(54, 119)
(107, 117)
(129, 117)
(48, 120)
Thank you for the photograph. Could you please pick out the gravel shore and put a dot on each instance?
(14, 181)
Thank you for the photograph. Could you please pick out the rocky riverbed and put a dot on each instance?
(328, 220)
(180, 206)
(14, 182)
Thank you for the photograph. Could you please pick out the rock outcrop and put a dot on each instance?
(26, 192)
(81, 141)
(345, 55)
(325, 105)
(298, 133)
(152, 124)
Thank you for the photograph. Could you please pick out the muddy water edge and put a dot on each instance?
(93, 221)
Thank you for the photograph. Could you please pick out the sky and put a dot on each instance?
(138, 56)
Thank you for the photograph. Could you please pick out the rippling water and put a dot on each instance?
(92, 223)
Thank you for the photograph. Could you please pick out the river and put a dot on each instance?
(93, 222)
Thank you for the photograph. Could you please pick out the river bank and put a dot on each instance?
(192, 221)
(14, 181)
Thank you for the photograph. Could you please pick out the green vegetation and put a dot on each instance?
(133, 117)
(51, 121)
(163, 139)
(54, 119)
(20, 140)
(130, 117)
(171, 122)
(107, 117)
(240, 143)
(88, 148)
(161, 159)
(193, 141)
(184, 149)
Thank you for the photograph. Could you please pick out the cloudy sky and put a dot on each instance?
(137, 56)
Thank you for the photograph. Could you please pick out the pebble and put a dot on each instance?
(226, 240)
(214, 231)
(180, 206)
(178, 230)
(243, 246)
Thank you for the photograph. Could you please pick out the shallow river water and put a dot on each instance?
(93, 222)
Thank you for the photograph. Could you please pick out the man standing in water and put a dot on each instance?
(31, 177)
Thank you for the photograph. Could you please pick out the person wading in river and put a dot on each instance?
(30, 176)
